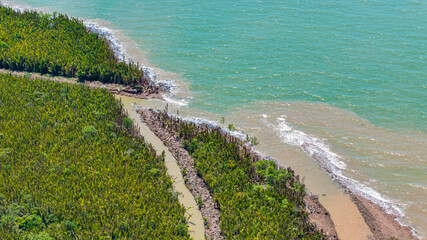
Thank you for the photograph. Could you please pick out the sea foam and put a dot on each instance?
(318, 150)
(166, 85)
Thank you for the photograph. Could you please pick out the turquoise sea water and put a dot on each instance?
(369, 57)
(365, 60)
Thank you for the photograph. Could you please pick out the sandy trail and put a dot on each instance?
(196, 225)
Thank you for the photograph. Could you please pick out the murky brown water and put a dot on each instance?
(387, 167)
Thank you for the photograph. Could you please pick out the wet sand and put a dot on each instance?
(197, 230)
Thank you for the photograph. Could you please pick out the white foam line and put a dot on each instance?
(174, 100)
(16, 8)
(332, 163)
(149, 73)
(313, 146)
(214, 124)
(107, 34)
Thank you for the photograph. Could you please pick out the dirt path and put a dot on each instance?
(197, 229)
(111, 87)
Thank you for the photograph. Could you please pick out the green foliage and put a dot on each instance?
(124, 227)
(199, 201)
(252, 140)
(181, 230)
(40, 236)
(89, 131)
(81, 76)
(154, 172)
(62, 46)
(3, 45)
(56, 183)
(256, 198)
(222, 120)
(128, 123)
(70, 226)
(28, 222)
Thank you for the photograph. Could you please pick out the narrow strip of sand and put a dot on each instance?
(197, 229)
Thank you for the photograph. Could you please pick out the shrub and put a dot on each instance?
(70, 226)
(28, 222)
(128, 123)
(89, 131)
(3, 45)
(153, 172)
(81, 76)
(181, 230)
(40, 236)
(124, 227)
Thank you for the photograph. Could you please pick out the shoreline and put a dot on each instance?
(367, 208)
(383, 225)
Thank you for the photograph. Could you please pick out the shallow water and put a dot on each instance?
(341, 84)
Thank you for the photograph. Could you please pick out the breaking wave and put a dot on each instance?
(318, 150)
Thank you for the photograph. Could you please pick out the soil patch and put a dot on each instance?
(384, 226)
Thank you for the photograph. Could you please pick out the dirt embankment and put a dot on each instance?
(383, 226)
(151, 92)
(194, 183)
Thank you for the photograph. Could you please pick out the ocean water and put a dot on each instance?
(342, 82)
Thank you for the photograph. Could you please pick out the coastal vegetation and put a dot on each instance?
(257, 199)
(62, 46)
(73, 167)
